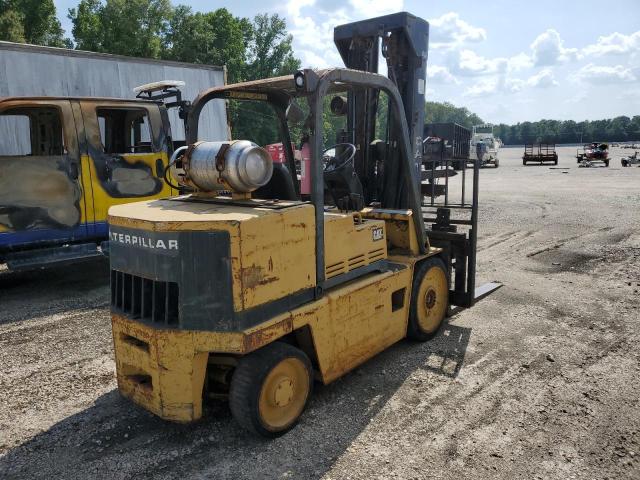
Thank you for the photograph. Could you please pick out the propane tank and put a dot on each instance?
(239, 165)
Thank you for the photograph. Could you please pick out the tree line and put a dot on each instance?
(618, 129)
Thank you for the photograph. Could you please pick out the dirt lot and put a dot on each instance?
(540, 380)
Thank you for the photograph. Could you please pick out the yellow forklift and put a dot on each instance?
(246, 289)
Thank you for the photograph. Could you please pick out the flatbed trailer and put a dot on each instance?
(540, 153)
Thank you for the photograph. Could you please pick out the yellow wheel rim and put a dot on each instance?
(432, 300)
(284, 394)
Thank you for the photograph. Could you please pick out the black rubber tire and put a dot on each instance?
(246, 385)
(606, 163)
(555, 162)
(496, 164)
(524, 162)
(414, 332)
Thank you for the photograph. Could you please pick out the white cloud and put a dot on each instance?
(375, 8)
(548, 49)
(602, 75)
(543, 79)
(312, 26)
(579, 97)
(439, 74)
(503, 84)
(294, 6)
(469, 63)
(449, 31)
(313, 40)
(629, 95)
(520, 61)
(614, 44)
(482, 88)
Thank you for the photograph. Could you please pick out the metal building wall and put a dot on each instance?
(28, 70)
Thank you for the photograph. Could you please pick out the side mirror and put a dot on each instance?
(294, 113)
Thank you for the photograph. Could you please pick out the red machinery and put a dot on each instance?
(594, 152)
(302, 157)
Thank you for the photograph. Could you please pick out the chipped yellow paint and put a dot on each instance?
(272, 257)
(349, 325)
(164, 370)
(269, 247)
(352, 242)
(401, 233)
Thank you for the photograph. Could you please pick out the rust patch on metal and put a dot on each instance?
(254, 276)
(259, 338)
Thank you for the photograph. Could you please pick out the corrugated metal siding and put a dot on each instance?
(36, 71)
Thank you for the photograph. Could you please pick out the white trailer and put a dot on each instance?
(30, 70)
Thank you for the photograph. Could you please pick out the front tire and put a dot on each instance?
(270, 389)
(429, 299)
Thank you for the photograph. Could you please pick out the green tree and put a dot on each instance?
(126, 27)
(11, 25)
(445, 112)
(269, 49)
(31, 21)
(214, 38)
(269, 54)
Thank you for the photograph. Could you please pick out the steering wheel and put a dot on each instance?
(333, 162)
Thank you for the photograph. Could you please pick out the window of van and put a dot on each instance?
(125, 130)
(31, 131)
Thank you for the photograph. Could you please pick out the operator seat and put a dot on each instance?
(279, 187)
(341, 180)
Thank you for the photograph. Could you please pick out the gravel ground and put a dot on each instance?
(539, 380)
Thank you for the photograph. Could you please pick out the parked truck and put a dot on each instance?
(74, 141)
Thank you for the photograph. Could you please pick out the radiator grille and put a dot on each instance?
(142, 299)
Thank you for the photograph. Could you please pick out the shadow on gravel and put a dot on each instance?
(87, 274)
(28, 294)
(114, 439)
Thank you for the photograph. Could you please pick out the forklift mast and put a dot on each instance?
(403, 40)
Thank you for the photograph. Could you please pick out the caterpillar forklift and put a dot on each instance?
(244, 289)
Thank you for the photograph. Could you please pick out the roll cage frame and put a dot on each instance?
(315, 85)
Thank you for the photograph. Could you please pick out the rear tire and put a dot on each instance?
(606, 163)
(524, 162)
(270, 389)
(429, 299)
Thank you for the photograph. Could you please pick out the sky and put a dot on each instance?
(507, 61)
